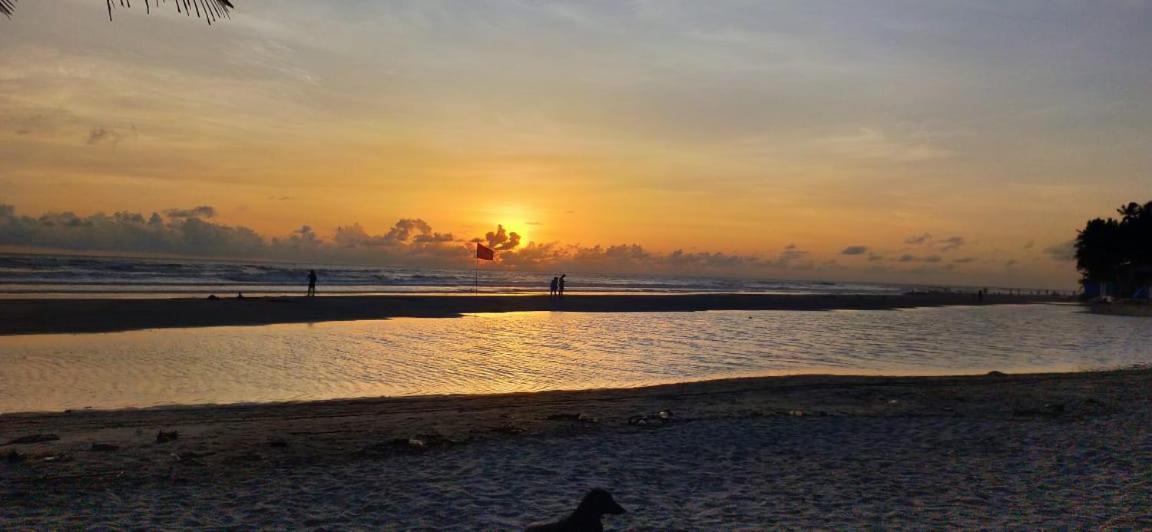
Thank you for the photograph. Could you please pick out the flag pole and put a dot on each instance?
(476, 271)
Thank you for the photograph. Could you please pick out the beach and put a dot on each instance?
(1038, 450)
(459, 265)
(38, 316)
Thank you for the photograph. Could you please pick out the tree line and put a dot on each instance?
(1117, 251)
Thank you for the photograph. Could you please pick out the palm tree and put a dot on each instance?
(209, 10)
(1118, 251)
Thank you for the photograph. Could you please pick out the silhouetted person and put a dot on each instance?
(311, 283)
(560, 285)
(554, 287)
(980, 296)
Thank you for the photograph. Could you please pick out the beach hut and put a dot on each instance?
(1135, 281)
(1094, 289)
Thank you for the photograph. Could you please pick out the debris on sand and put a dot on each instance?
(165, 437)
(660, 418)
(579, 418)
(250, 456)
(415, 444)
(33, 438)
(508, 429)
(104, 447)
(1050, 410)
(808, 413)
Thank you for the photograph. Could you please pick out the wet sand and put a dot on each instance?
(1020, 451)
(37, 316)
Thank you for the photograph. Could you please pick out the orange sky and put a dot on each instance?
(735, 127)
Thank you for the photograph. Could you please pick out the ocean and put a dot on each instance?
(510, 352)
(30, 275)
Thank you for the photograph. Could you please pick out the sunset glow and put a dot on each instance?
(815, 140)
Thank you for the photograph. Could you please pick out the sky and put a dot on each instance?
(958, 142)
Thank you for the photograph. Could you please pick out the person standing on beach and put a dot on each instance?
(560, 285)
(311, 283)
(554, 287)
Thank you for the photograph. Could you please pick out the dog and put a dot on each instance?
(586, 518)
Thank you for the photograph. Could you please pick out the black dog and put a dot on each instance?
(587, 516)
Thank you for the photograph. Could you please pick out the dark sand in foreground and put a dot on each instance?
(1014, 451)
(33, 316)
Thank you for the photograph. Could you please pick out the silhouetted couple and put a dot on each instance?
(311, 283)
(557, 287)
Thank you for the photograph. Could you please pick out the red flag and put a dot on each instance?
(484, 252)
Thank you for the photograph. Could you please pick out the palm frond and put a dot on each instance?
(209, 10)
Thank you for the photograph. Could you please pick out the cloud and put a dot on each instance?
(414, 242)
(1064, 251)
(868, 143)
(949, 244)
(37, 122)
(535, 256)
(405, 231)
(915, 258)
(634, 258)
(918, 239)
(203, 211)
(502, 240)
(791, 257)
(406, 228)
(926, 239)
(127, 231)
(352, 236)
(679, 260)
(431, 237)
(100, 135)
(305, 236)
(189, 232)
(415, 230)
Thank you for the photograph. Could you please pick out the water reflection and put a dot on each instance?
(540, 350)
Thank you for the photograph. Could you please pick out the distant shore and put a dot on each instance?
(1123, 308)
(1001, 451)
(41, 316)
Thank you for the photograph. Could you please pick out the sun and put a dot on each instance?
(517, 219)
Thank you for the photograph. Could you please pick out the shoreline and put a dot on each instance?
(671, 383)
(705, 386)
(51, 315)
(814, 433)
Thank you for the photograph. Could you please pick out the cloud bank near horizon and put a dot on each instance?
(414, 242)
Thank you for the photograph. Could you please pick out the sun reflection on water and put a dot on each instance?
(532, 351)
